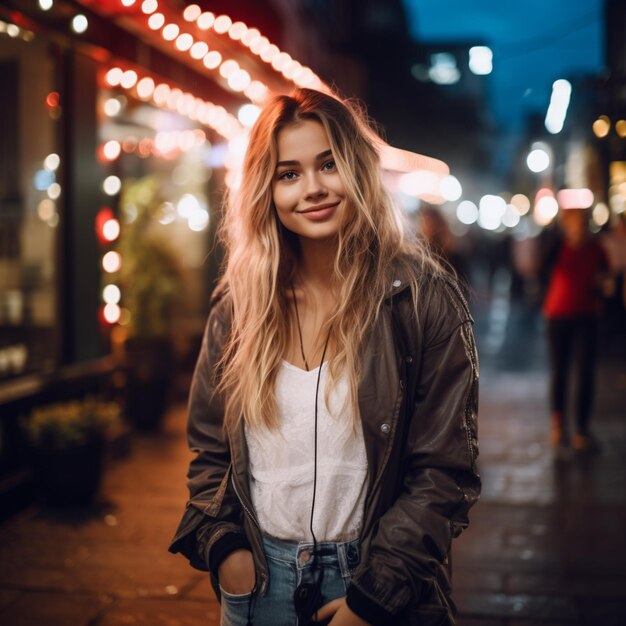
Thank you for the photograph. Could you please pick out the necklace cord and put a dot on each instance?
(317, 387)
(295, 304)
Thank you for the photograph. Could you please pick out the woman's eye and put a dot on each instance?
(329, 165)
(289, 175)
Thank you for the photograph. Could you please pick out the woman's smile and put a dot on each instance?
(319, 212)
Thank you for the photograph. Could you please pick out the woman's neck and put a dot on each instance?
(317, 260)
(314, 303)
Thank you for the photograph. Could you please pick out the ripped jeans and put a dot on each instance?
(290, 564)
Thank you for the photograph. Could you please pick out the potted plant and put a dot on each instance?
(149, 279)
(68, 439)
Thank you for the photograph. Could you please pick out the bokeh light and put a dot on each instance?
(237, 31)
(114, 76)
(538, 160)
(206, 20)
(170, 32)
(184, 42)
(54, 191)
(559, 103)
(600, 214)
(112, 107)
(212, 59)
(575, 198)
(491, 208)
(192, 13)
(546, 209)
(111, 294)
(79, 23)
(156, 21)
(450, 188)
(145, 88)
(46, 209)
(111, 229)
(239, 80)
(248, 114)
(112, 150)
(481, 60)
(601, 126)
(521, 203)
(111, 261)
(228, 67)
(51, 162)
(129, 78)
(149, 6)
(467, 212)
(511, 216)
(111, 313)
(111, 185)
(222, 24)
(199, 50)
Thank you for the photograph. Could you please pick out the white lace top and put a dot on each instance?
(282, 462)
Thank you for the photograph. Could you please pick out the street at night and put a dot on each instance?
(202, 201)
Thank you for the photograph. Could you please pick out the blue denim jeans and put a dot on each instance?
(290, 564)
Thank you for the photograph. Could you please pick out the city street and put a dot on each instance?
(546, 544)
(306, 158)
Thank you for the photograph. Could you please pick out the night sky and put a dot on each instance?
(534, 43)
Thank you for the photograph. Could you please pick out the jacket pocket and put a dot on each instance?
(212, 509)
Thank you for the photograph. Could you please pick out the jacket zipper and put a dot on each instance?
(259, 545)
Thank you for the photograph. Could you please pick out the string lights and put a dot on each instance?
(186, 104)
(237, 78)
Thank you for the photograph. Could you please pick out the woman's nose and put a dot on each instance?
(314, 187)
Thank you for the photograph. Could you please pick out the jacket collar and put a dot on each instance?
(400, 281)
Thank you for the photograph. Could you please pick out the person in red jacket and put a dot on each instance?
(571, 307)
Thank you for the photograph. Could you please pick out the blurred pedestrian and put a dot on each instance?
(575, 265)
(435, 230)
(333, 405)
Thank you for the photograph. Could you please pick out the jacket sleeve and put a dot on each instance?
(211, 526)
(412, 539)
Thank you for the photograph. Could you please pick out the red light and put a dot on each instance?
(544, 192)
(109, 314)
(102, 217)
(52, 100)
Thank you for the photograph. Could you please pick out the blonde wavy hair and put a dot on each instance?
(262, 257)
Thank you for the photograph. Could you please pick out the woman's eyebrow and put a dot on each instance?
(321, 155)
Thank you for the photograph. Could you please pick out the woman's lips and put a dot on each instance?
(320, 213)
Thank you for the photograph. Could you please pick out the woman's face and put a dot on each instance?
(307, 190)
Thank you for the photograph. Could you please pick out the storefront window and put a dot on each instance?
(163, 178)
(30, 204)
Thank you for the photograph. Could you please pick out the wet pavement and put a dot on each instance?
(546, 545)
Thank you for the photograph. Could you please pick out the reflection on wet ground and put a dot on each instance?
(546, 544)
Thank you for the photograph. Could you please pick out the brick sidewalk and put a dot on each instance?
(546, 544)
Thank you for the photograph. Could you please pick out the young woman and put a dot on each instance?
(333, 405)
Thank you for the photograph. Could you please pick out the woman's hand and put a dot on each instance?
(343, 616)
(236, 572)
